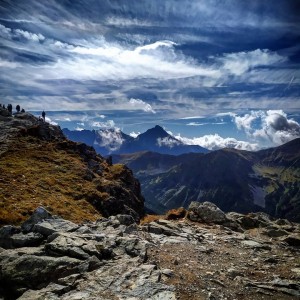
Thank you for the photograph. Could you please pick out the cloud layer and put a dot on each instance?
(162, 60)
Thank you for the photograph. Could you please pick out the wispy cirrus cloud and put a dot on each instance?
(177, 59)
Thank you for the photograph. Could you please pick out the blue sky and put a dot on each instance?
(214, 73)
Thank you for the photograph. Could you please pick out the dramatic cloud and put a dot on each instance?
(110, 139)
(271, 125)
(215, 142)
(145, 62)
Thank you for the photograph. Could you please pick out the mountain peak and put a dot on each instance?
(154, 133)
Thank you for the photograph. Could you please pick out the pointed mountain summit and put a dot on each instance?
(154, 133)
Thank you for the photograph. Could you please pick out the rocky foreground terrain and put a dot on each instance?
(201, 254)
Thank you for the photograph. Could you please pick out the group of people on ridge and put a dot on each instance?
(18, 109)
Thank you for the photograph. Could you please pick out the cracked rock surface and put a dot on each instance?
(115, 258)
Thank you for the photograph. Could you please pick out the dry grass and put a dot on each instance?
(173, 214)
(176, 213)
(150, 218)
(34, 173)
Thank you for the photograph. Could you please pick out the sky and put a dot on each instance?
(213, 73)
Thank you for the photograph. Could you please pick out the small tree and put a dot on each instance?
(9, 108)
(23, 110)
(18, 108)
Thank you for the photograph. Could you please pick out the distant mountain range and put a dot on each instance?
(235, 180)
(111, 141)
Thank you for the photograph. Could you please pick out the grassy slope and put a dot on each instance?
(35, 172)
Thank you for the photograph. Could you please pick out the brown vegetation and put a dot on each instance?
(176, 213)
(35, 172)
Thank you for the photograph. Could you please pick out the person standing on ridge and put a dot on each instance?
(44, 116)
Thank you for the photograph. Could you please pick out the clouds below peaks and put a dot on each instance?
(272, 125)
(215, 142)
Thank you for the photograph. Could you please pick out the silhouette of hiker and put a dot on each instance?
(44, 115)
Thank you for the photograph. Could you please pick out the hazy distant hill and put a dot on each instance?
(111, 141)
(267, 180)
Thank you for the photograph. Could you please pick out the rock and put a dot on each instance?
(275, 232)
(251, 220)
(6, 232)
(283, 222)
(50, 292)
(206, 212)
(38, 215)
(292, 240)
(289, 287)
(66, 245)
(32, 271)
(255, 245)
(125, 219)
(30, 239)
(297, 271)
(167, 272)
(50, 226)
(156, 228)
(232, 273)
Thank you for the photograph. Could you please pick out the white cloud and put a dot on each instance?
(154, 46)
(240, 62)
(203, 124)
(140, 104)
(48, 120)
(107, 124)
(214, 142)
(190, 118)
(29, 35)
(79, 128)
(272, 125)
(8, 64)
(167, 141)
(111, 139)
(4, 31)
(109, 61)
(245, 122)
(119, 21)
(134, 134)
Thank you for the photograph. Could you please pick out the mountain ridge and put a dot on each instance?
(111, 141)
(39, 166)
(237, 180)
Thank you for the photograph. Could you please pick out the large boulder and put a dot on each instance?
(31, 271)
(206, 212)
(38, 216)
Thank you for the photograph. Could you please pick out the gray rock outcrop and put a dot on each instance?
(114, 258)
(206, 212)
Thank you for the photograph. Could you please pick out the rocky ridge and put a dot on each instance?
(215, 256)
(39, 166)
